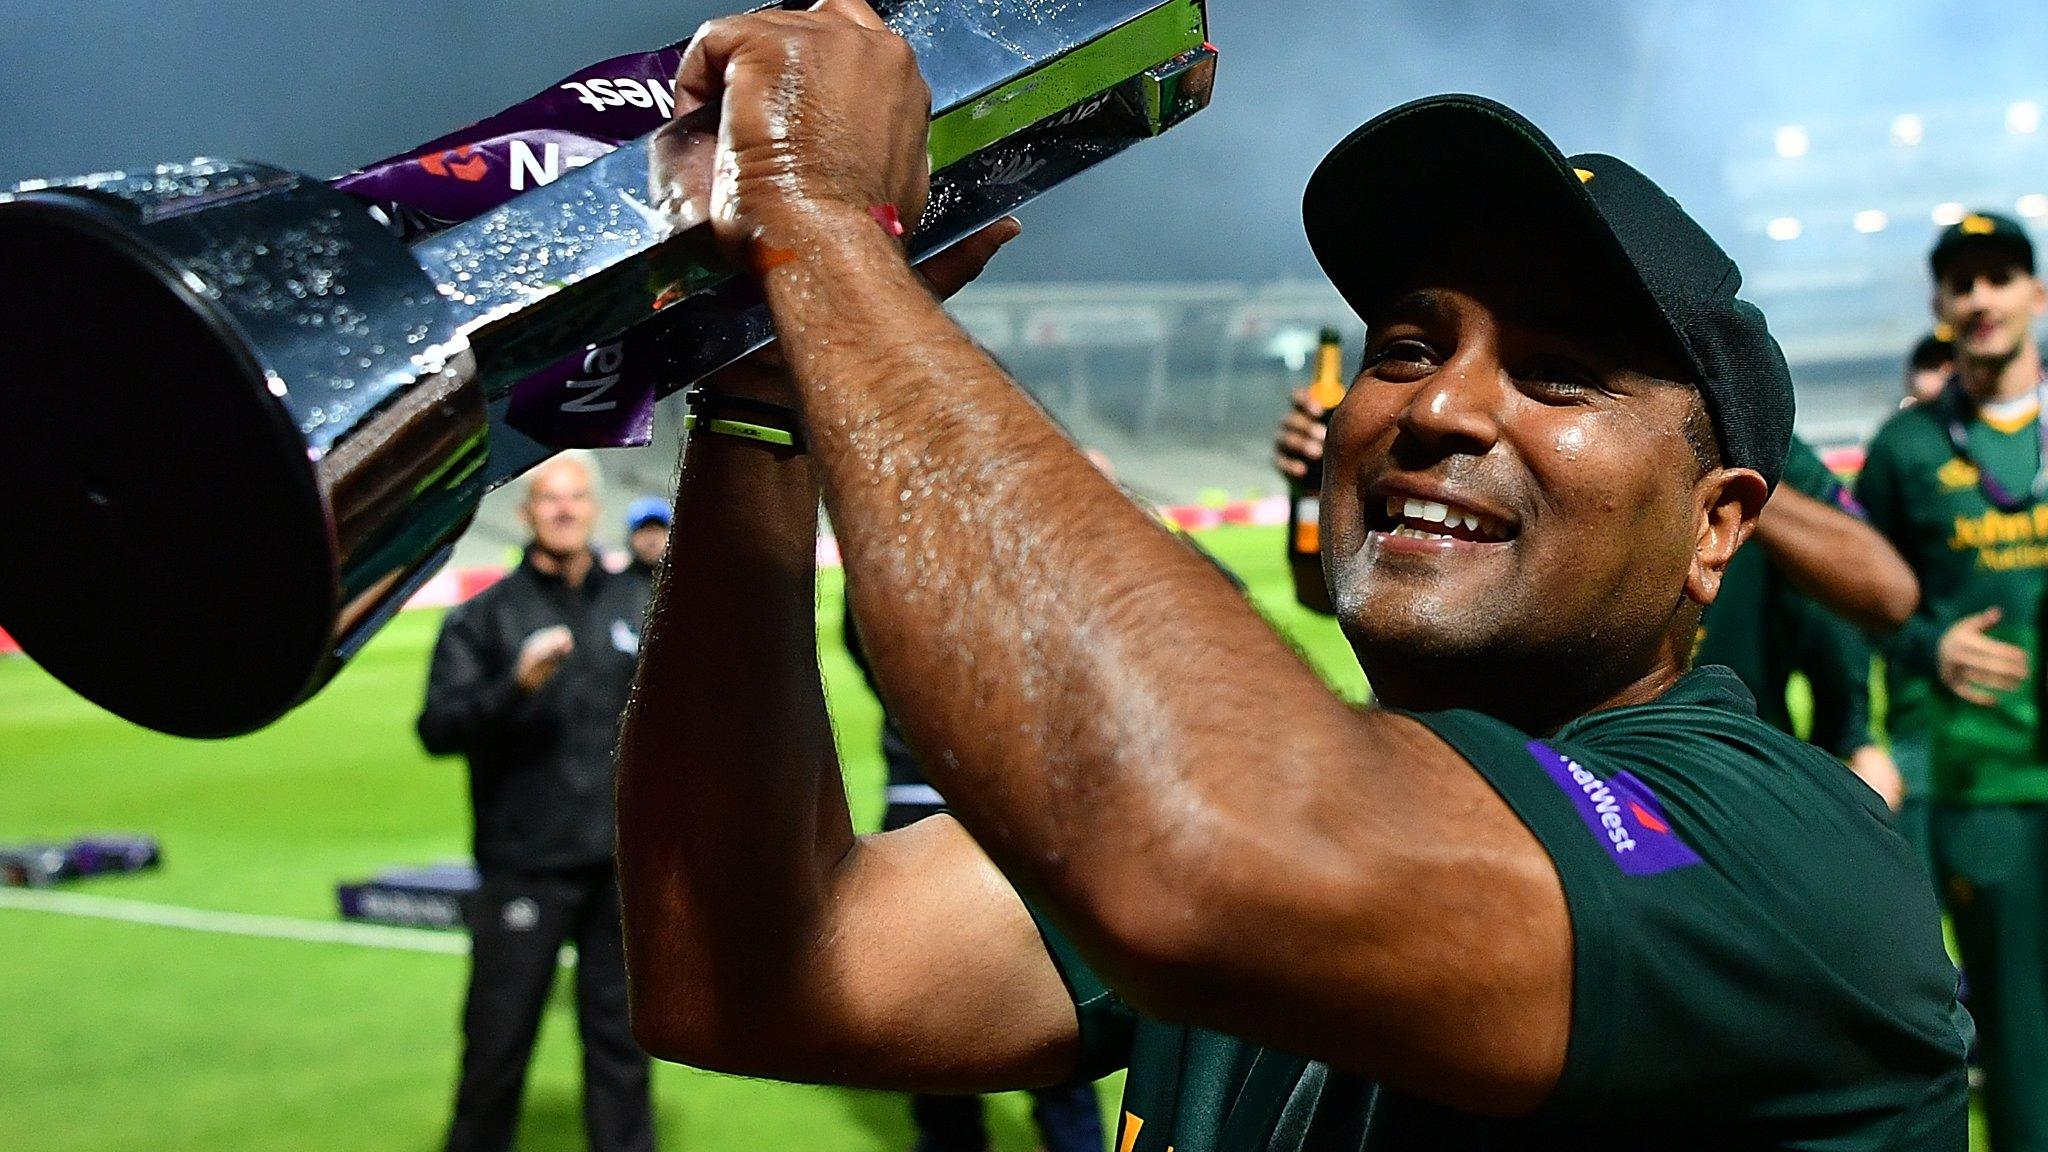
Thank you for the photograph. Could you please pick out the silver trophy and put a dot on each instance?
(245, 413)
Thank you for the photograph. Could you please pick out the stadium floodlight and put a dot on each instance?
(2023, 118)
(2033, 205)
(1792, 141)
(1870, 220)
(1784, 228)
(1908, 130)
(1948, 212)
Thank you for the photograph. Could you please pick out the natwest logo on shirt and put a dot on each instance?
(464, 163)
(1622, 814)
(623, 91)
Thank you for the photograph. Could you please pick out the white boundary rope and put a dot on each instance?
(236, 923)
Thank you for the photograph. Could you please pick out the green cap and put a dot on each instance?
(1379, 202)
(1979, 231)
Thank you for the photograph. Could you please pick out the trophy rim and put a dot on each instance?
(285, 623)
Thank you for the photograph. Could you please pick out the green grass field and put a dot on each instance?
(120, 1035)
(123, 1035)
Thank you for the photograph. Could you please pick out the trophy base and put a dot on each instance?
(170, 557)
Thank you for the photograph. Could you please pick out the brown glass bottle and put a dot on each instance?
(1304, 507)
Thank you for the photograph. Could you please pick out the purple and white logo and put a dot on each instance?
(599, 398)
(1622, 814)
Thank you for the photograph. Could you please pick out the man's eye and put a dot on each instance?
(1400, 354)
(1559, 381)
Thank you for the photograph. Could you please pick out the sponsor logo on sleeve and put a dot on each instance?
(531, 169)
(600, 93)
(464, 163)
(1622, 814)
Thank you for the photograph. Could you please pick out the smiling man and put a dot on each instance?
(1560, 893)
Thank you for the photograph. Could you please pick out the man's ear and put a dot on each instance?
(1728, 502)
(2040, 296)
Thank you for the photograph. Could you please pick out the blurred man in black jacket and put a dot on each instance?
(529, 680)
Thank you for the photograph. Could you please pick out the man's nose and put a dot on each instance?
(1456, 409)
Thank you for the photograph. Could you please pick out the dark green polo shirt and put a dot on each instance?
(1758, 964)
(1969, 556)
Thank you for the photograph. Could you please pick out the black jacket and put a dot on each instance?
(540, 766)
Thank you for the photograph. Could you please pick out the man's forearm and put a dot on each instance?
(1081, 721)
(730, 805)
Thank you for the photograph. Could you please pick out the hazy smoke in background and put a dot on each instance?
(1672, 86)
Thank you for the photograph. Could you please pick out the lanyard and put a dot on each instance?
(1961, 409)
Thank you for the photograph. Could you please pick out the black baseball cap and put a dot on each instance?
(1978, 231)
(1426, 168)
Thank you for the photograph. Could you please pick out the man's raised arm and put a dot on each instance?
(1073, 677)
(762, 936)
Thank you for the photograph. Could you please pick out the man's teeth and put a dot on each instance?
(1430, 512)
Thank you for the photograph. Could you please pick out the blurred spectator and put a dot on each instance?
(1958, 485)
(528, 682)
(1928, 369)
(647, 521)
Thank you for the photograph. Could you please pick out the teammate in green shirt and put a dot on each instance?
(1958, 485)
(1907, 694)
(1559, 893)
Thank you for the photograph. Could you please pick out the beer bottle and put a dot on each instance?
(1304, 537)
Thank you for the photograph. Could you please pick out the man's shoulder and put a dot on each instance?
(1911, 431)
(488, 600)
(1709, 705)
(1695, 774)
(1774, 819)
(1709, 858)
(1704, 736)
